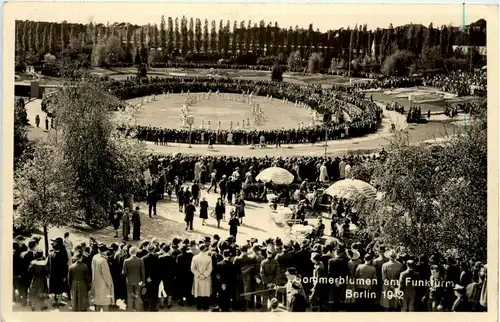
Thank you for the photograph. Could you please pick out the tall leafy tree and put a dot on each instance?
(206, 37)
(163, 33)
(191, 41)
(198, 35)
(170, 36)
(177, 35)
(213, 37)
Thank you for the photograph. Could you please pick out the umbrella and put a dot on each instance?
(350, 187)
(276, 175)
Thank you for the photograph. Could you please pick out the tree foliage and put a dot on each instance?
(435, 196)
(315, 63)
(398, 64)
(294, 61)
(104, 165)
(277, 74)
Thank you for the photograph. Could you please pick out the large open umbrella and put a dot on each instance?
(349, 188)
(276, 175)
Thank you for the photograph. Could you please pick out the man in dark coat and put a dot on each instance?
(58, 270)
(184, 276)
(136, 223)
(152, 200)
(338, 267)
(166, 266)
(189, 215)
(269, 272)
(226, 276)
(152, 279)
(25, 276)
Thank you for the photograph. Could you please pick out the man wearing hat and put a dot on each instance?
(461, 304)
(365, 278)
(292, 286)
(269, 271)
(245, 266)
(102, 289)
(151, 267)
(408, 281)
(378, 262)
(135, 274)
(184, 276)
(391, 270)
(226, 277)
(338, 269)
(58, 265)
(24, 276)
(79, 282)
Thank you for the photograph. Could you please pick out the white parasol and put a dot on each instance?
(349, 188)
(276, 175)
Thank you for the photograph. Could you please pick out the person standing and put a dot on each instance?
(184, 276)
(223, 187)
(102, 282)
(220, 210)
(58, 268)
(151, 201)
(195, 192)
(201, 267)
(234, 222)
(125, 224)
(136, 223)
(151, 266)
(166, 264)
(226, 275)
(407, 280)
(365, 277)
(24, 276)
(338, 267)
(135, 274)
(240, 208)
(180, 198)
(269, 272)
(189, 215)
(79, 283)
(38, 290)
(203, 210)
(378, 263)
(213, 181)
(46, 123)
(389, 280)
(37, 120)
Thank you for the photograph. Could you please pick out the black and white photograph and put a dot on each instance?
(260, 157)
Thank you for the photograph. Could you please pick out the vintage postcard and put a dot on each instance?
(252, 158)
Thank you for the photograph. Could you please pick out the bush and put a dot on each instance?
(315, 63)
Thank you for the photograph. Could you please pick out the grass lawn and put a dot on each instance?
(165, 112)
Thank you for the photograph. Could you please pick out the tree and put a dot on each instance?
(41, 191)
(177, 35)
(435, 196)
(294, 61)
(277, 74)
(315, 63)
(398, 63)
(170, 37)
(105, 165)
(21, 142)
(206, 40)
(213, 37)
(163, 33)
(198, 36)
(114, 51)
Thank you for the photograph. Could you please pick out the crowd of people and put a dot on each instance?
(458, 82)
(218, 274)
(364, 115)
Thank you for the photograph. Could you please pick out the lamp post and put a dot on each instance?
(190, 122)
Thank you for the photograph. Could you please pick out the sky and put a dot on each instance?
(323, 16)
